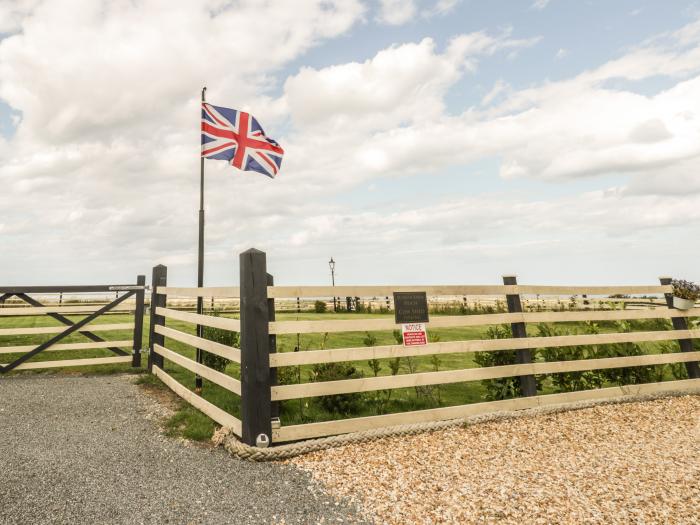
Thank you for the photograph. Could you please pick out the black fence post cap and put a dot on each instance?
(251, 250)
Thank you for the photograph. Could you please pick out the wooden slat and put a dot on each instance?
(22, 304)
(59, 329)
(362, 353)
(228, 352)
(279, 292)
(608, 315)
(66, 346)
(454, 321)
(329, 428)
(221, 379)
(361, 325)
(369, 384)
(221, 417)
(73, 362)
(42, 310)
(450, 290)
(206, 320)
(591, 290)
(229, 291)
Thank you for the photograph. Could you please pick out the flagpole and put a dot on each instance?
(200, 257)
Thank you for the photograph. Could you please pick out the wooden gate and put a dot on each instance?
(28, 294)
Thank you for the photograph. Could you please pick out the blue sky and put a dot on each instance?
(556, 140)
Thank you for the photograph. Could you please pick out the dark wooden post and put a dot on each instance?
(160, 278)
(528, 386)
(275, 407)
(255, 348)
(138, 322)
(681, 323)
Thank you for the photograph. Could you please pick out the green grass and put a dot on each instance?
(192, 424)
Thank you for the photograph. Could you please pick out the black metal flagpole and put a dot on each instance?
(200, 258)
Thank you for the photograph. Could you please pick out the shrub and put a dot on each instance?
(571, 381)
(678, 370)
(320, 307)
(344, 404)
(503, 387)
(218, 335)
(626, 375)
(287, 375)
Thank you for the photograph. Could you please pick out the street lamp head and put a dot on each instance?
(331, 263)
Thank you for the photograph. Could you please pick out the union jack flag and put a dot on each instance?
(236, 136)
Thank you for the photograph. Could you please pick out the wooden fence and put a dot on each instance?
(258, 359)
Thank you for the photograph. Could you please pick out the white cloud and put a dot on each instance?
(540, 4)
(104, 166)
(85, 68)
(396, 12)
(562, 53)
(400, 85)
(441, 8)
(498, 89)
(565, 129)
(13, 13)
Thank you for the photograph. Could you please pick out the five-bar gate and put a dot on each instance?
(125, 351)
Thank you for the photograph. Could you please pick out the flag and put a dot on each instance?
(237, 137)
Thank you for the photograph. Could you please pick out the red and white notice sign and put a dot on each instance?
(414, 334)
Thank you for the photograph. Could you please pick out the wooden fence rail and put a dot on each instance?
(259, 361)
(457, 321)
(279, 292)
(358, 424)
(311, 357)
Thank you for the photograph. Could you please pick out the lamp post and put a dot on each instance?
(331, 264)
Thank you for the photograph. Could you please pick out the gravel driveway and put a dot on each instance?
(87, 450)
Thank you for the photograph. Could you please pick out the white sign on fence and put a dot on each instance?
(414, 334)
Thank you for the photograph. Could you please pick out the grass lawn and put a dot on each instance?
(192, 424)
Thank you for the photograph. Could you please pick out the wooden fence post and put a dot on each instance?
(528, 386)
(255, 348)
(160, 278)
(275, 407)
(681, 323)
(138, 323)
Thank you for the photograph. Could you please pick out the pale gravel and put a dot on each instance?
(89, 450)
(609, 464)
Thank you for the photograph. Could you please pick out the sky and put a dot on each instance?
(426, 141)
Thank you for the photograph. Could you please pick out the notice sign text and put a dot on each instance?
(414, 334)
(410, 307)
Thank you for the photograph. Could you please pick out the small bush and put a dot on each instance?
(571, 381)
(320, 307)
(343, 404)
(218, 335)
(504, 387)
(678, 370)
(627, 375)
(287, 375)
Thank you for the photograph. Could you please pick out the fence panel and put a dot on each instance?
(258, 328)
